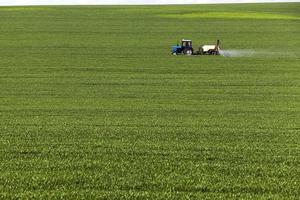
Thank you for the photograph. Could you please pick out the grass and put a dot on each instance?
(94, 106)
(231, 15)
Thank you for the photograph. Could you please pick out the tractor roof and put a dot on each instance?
(185, 40)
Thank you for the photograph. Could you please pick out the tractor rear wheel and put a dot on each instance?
(188, 52)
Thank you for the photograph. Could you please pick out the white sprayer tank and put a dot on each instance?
(208, 47)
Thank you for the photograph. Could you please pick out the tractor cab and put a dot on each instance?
(186, 43)
(185, 48)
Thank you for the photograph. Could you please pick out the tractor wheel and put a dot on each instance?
(189, 52)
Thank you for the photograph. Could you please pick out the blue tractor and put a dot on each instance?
(185, 48)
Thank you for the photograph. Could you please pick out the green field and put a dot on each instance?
(93, 105)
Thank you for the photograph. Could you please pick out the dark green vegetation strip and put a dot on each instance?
(92, 104)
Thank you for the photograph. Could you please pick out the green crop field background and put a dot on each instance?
(93, 104)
